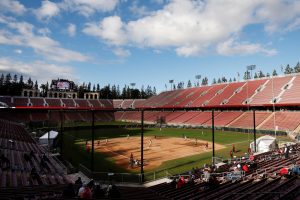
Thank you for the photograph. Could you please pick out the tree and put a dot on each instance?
(36, 86)
(268, 74)
(246, 75)
(288, 69)
(255, 76)
(15, 80)
(2, 79)
(189, 84)
(261, 74)
(274, 73)
(297, 68)
(94, 88)
(7, 79)
(230, 80)
(214, 81)
(219, 80)
(89, 86)
(205, 81)
(154, 91)
(98, 87)
(21, 81)
(224, 80)
(234, 79)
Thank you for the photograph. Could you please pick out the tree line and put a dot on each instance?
(13, 86)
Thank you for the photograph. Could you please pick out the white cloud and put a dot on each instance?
(191, 27)
(71, 30)
(277, 13)
(158, 1)
(44, 31)
(18, 51)
(110, 29)
(12, 6)
(89, 7)
(121, 52)
(138, 10)
(42, 45)
(37, 70)
(47, 10)
(231, 47)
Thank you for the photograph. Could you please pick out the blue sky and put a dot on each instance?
(146, 42)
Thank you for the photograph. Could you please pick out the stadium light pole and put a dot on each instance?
(142, 145)
(93, 140)
(198, 77)
(254, 130)
(132, 85)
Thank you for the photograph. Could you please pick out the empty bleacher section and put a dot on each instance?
(246, 119)
(21, 101)
(272, 89)
(292, 92)
(68, 102)
(224, 118)
(53, 102)
(38, 102)
(285, 121)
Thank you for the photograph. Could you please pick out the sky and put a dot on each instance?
(147, 42)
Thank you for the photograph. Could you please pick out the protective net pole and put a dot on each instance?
(213, 133)
(142, 145)
(254, 130)
(93, 139)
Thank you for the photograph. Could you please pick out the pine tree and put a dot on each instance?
(15, 80)
(98, 87)
(274, 73)
(189, 84)
(230, 80)
(288, 69)
(154, 91)
(219, 80)
(297, 68)
(2, 79)
(214, 81)
(36, 86)
(234, 79)
(255, 76)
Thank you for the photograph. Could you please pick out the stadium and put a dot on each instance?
(228, 139)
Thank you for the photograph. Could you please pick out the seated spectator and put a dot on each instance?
(113, 192)
(4, 162)
(69, 191)
(86, 193)
(284, 171)
(27, 157)
(45, 158)
(44, 165)
(78, 181)
(98, 192)
(81, 189)
(34, 175)
(32, 155)
(91, 183)
(245, 168)
(213, 182)
(180, 182)
(173, 183)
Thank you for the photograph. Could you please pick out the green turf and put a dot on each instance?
(74, 148)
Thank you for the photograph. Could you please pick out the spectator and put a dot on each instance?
(69, 191)
(286, 151)
(113, 192)
(213, 182)
(78, 181)
(27, 157)
(86, 193)
(81, 189)
(32, 155)
(245, 168)
(4, 162)
(180, 182)
(45, 158)
(173, 183)
(91, 184)
(98, 192)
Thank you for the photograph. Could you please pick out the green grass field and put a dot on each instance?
(74, 149)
